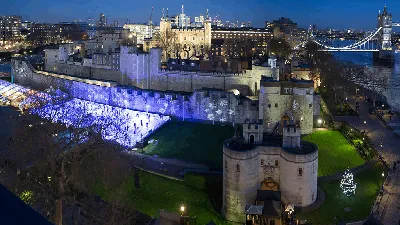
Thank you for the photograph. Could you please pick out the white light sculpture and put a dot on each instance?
(347, 183)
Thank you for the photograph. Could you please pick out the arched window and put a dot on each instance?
(276, 163)
(237, 168)
(262, 162)
(300, 172)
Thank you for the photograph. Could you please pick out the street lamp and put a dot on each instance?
(383, 174)
(319, 121)
(182, 209)
(365, 124)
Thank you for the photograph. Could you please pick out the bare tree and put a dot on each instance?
(167, 40)
(57, 161)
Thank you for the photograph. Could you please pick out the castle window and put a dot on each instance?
(300, 172)
(269, 105)
(226, 164)
(184, 38)
(276, 163)
(193, 38)
(310, 105)
(313, 168)
(276, 105)
(237, 168)
(249, 126)
(262, 162)
(256, 126)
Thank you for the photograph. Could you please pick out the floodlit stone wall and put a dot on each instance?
(245, 169)
(207, 105)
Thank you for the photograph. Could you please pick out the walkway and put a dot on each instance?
(387, 144)
(168, 167)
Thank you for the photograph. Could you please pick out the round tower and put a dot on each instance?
(240, 178)
(299, 168)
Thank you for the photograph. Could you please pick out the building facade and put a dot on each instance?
(10, 29)
(237, 42)
(141, 31)
(45, 33)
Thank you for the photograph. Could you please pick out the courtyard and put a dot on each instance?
(194, 142)
(335, 153)
(156, 192)
(369, 182)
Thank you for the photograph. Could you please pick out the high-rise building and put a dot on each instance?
(141, 31)
(10, 28)
(103, 20)
(115, 23)
(26, 28)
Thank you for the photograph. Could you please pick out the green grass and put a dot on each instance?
(335, 153)
(368, 182)
(199, 143)
(157, 192)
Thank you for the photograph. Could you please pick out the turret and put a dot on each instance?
(291, 135)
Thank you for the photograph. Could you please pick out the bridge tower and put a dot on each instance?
(386, 53)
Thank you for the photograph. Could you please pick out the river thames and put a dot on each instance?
(391, 75)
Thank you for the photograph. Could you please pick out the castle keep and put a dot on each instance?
(262, 171)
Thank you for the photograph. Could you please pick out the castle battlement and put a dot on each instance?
(249, 163)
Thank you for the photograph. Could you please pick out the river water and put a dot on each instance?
(389, 76)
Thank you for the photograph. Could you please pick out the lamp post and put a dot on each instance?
(365, 125)
(183, 212)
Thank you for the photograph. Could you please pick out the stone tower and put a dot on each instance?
(207, 30)
(298, 168)
(386, 52)
(385, 37)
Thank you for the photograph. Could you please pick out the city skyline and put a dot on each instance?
(359, 14)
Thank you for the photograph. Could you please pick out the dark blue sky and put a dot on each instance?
(359, 14)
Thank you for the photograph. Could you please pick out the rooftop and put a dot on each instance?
(270, 141)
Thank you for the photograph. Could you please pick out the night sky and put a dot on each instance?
(358, 14)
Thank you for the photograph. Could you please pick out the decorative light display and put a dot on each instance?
(126, 127)
(370, 36)
(347, 183)
(216, 113)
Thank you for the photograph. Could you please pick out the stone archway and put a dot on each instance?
(251, 138)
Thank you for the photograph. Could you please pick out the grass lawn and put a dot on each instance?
(368, 185)
(195, 142)
(156, 193)
(335, 153)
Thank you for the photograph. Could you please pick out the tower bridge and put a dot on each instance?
(378, 41)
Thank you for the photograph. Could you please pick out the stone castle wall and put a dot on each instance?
(240, 182)
(273, 104)
(143, 71)
(204, 105)
(299, 190)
